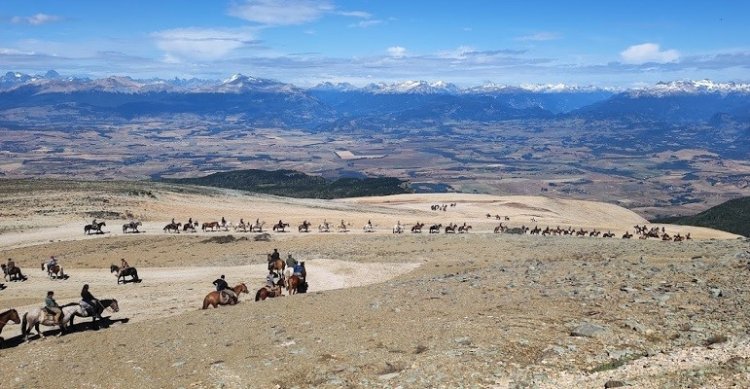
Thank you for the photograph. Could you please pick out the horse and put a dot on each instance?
(189, 227)
(304, 227)
(464, 229)
(280, 227)
(435, 228)
(210, 225)
(8, 316)
(241, 226)
(257, 227)
(98, 309)
(295, 284)
(132, 226)
(277, 265)
(325, 227)
(37, 316)
(121, 273)
(172, 227)
(500, 228)
(95, 228)
(451, 228)
(368, 228)
(263, 293)
(214, 298)
(12, 274)
(343, 227)
(417, 228)
(398, 229)
(54, 272)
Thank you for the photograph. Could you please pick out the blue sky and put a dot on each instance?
(603, 43)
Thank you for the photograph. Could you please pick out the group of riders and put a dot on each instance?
(88, 302)
(274, 279)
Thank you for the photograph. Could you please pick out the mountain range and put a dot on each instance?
(259, 101)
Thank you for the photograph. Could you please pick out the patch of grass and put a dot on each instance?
(715, 339)
(615, 363)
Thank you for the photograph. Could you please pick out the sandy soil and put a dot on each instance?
(384, 310)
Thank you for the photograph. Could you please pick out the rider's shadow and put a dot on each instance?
(77, 327)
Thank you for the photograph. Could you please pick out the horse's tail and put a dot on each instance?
(257, 295)
(24, 321)
(205, 302)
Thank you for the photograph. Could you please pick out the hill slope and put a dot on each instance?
(291, 183)
(731, 216)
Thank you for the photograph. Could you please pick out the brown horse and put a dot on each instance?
(9, 315)
(54, 272)
(264, 293)
(210, 225)
(277, 265)
(296, 284)
(280, 227)
(214, 298)
(304, 227)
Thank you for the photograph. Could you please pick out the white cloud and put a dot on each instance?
(540, 37)
(366, 23)
(271, 12)
(200, 43)
(397, 52)
(35, 20)
(356, 14)
(648, 52)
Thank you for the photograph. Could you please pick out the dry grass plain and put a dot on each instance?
(384, 310)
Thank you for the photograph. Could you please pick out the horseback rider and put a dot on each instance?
(89, 302)
(299, 270)
(93, 223)
(11, 264)
(173, 223)
(190, 221)
(275, 256)
(123, 265)
(271, 280)
(290, 262)
(51, 263)
(223, 288)
(223, 221)
(51, 306)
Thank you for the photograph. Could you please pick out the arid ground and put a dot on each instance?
(383, 310)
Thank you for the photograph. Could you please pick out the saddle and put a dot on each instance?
(224, 297)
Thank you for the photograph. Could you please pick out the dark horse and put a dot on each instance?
(172, 227)
(304, 227)
(264, 293)
(133, 225)
(214, 298)
(129, 271)
(280, 227)
(13, 273)
(7, 316)
(54, 272)
(96, 310)
(94, 228)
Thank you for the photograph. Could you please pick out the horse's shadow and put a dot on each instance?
(63, 277)
(134, 281)
(77, 327)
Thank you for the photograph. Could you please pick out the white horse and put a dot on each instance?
(398, 229)
(38, 316)
(368, 228)
(325, 227)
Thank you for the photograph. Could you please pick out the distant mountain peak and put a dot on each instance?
(690, 87)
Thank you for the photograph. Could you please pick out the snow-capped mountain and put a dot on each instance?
(412, 87)
(662, 89)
